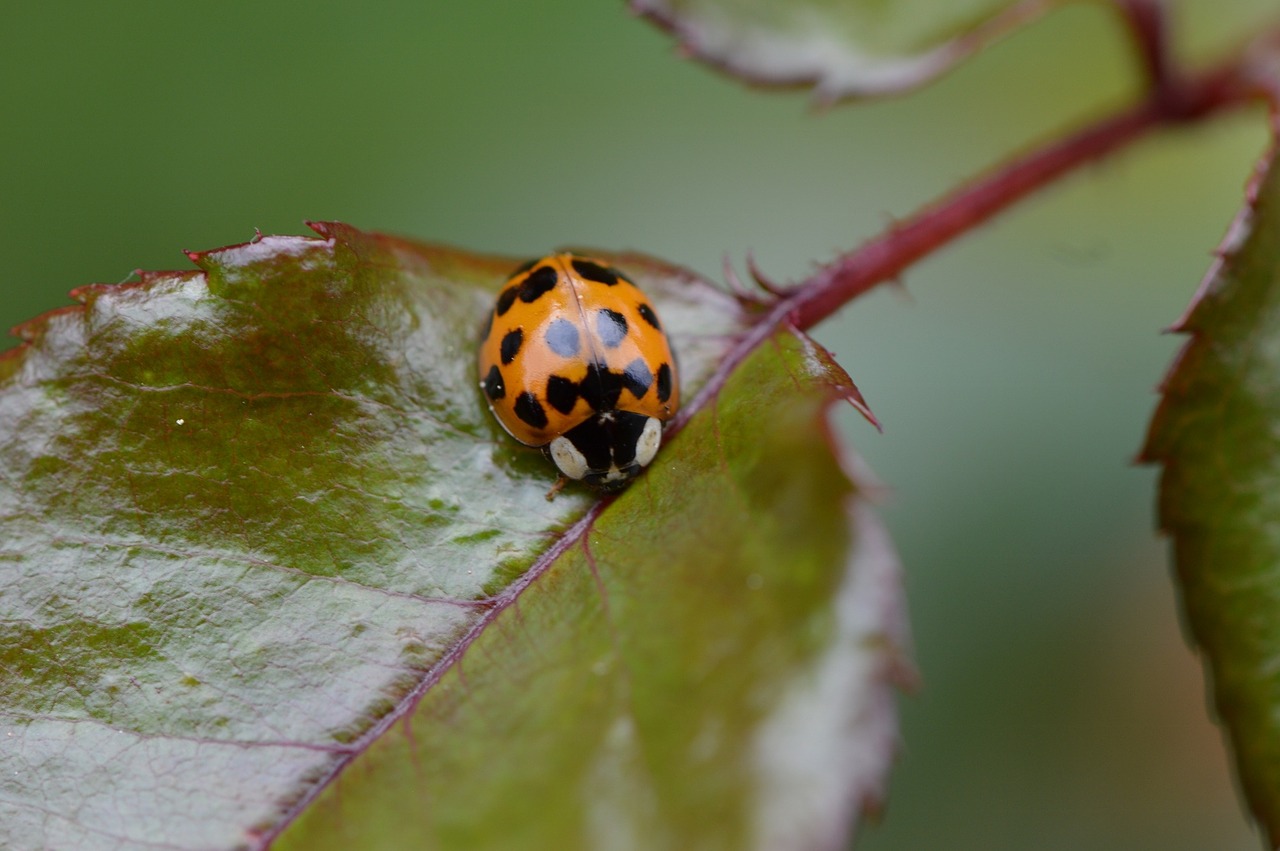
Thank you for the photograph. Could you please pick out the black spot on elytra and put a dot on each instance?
(507, 299)
(494, 387)
(664, 382)
(601, 388)
(562, 337)
(529, 409)
(562, 393)
(612, 327)
(637, 378)
(595, 272)
(511, 345)
(647, 314)
(540, 281)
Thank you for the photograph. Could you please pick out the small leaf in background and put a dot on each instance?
(1215, 435)
(841, 47)
(252, 514)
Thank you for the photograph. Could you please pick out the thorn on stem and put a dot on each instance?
(763, 281)
(900, 288)
(736, 287)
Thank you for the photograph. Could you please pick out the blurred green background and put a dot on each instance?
(1061, 708)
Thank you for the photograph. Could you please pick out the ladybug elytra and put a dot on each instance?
(575, 361)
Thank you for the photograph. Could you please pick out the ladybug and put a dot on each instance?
(575, 361)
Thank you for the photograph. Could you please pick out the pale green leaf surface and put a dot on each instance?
(841, 47)
(251, 514)
(708, 667)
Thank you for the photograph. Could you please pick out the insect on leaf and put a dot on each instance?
(274, 575)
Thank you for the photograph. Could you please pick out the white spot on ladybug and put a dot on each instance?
(567, 457)
(650, 440)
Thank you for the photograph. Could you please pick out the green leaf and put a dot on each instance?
(720, 683)
(266, 554)
(841, 47)
(1216, 435)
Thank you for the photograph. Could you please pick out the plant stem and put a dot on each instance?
(883, 258)
(1171, 100)
(1147, 21)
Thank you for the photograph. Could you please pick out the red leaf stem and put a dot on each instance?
(1170, 101)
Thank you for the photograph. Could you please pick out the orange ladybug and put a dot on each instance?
(575, 361)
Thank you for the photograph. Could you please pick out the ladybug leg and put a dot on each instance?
(561, 481)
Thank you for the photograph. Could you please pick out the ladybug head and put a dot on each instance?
(608, 450)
